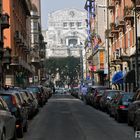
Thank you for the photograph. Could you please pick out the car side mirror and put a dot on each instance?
(109, 98)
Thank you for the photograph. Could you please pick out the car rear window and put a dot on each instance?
(112, 93)
(33, 89)
(8, 100)
(126, 97)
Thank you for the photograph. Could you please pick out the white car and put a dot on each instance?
(7, 123)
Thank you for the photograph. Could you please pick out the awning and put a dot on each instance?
(130, 77)
(117, 78)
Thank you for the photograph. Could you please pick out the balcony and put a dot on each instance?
(111, 5)
(108, 34)
(137, 4)
(15, 60)
(114, 28)
(25, 65)
(115, 60)
(35, 59)
(128, 13)
(119, 21)
(18, 61)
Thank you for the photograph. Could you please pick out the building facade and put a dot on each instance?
(37, 42)
(121, 41)
(22, 46)
(95, 44)
(17, 38)
(124, 43)
(66, 33)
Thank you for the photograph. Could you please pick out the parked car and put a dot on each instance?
(7, 122)
(38, 93)
(97, 98)
(106, 97)
(28, 103)
(88, 95)
(137, 120)
(119, 105)
(97, 91)
(75, 91)
(35, 102)
(135, 104)
(45, 94)
(16, 106)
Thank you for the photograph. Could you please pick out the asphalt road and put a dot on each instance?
(67, 118)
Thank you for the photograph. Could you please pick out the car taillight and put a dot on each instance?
(14, 101)
(122, 107)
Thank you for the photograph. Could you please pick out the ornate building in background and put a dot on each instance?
(66, 33)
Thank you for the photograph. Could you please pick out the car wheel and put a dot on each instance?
(3, 137)
(129, 122)
(135, 124)
(25, 127)
(118, 118)
(20, 132)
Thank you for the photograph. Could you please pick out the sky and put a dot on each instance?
(48, 6)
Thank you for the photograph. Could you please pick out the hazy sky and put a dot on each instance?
(48, 6)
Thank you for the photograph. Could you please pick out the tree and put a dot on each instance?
(68, 69)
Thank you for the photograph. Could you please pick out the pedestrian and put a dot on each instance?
(84, 92)
(53, 90)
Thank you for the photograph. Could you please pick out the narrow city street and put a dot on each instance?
(67, 118)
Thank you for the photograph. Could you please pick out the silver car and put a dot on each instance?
(7, 123)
